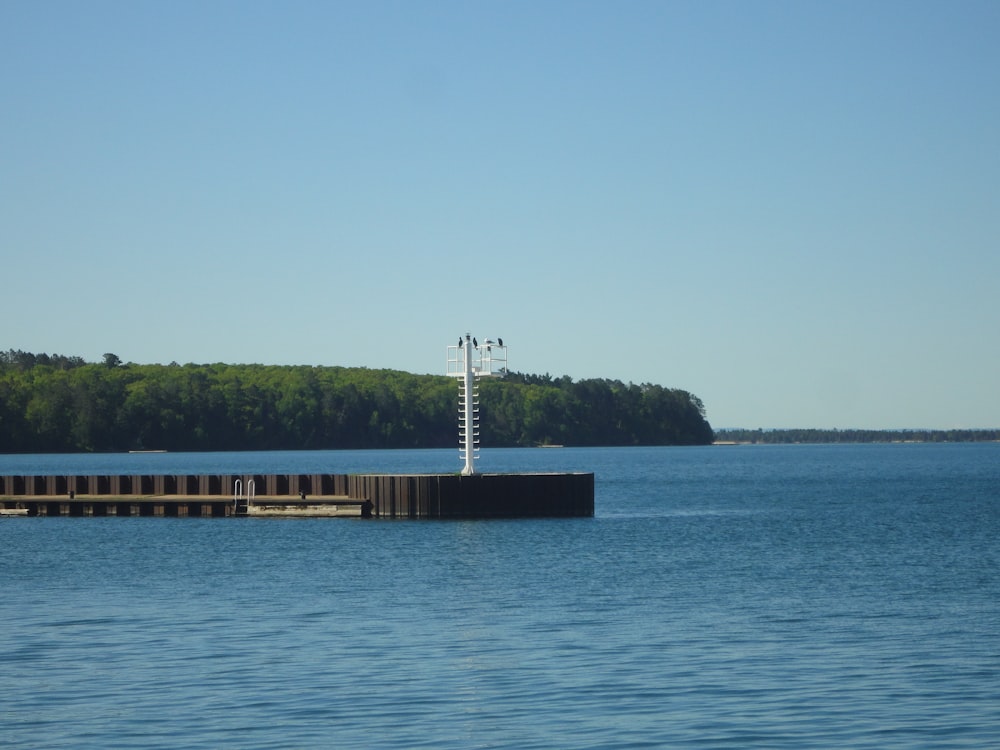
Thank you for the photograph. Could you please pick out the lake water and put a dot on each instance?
(721, 597)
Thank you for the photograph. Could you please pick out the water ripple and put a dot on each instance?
(718, 600)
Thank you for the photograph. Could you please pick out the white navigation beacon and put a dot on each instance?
(469, 360)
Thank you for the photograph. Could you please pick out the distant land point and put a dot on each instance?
(789, 436)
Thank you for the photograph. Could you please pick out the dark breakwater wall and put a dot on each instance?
(477, 496)
(391, 495)
(173, 484)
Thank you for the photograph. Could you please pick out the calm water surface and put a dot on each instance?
(741, 597)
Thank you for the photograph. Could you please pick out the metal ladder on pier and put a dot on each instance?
(242, 501)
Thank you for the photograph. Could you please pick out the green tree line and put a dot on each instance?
(787, 436)
(53, 403)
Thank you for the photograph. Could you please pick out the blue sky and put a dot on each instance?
(790, 209)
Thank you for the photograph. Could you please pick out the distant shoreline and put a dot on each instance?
(815, 436)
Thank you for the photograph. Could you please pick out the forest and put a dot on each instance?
(787, 436)
(54, 403)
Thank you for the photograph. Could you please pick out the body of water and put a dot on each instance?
(721, 597)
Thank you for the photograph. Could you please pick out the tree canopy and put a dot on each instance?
(53, 403)
(788, 436)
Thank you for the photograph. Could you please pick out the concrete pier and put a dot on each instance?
(260, 495)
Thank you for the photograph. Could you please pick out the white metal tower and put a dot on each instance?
(469, 361)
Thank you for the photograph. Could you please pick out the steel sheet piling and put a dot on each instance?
(391, 495)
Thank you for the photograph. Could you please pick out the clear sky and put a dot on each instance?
(790, 209)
